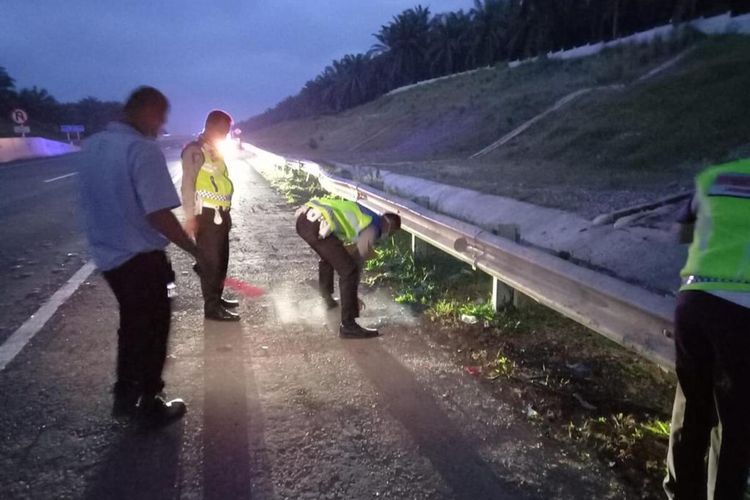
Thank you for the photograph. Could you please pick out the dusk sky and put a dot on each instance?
(242, 56)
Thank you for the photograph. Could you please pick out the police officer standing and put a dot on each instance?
(343, 234)
(207, 200)
(127, 196)
(711, 415)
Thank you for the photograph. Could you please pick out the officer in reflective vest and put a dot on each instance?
(711, 415)
(207, 200)
(343, 234)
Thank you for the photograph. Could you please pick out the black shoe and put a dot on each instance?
(355, 331)
(221, 314)
(126, 396)
(197, 269)
(330, 302)
(156, 411)
(229, 303)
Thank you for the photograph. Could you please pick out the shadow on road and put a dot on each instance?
(452, 454)
(142, 464)
(235, 461)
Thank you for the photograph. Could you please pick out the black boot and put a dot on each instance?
(218, 313)
(156, 411)
(330, 302)
(354, 331)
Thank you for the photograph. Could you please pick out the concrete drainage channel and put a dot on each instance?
(635, 318)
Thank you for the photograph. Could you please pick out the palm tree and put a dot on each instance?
(490, 26)
(449, 43)
(536, 26)
(404, 42)
(352, 80)
(40, 105)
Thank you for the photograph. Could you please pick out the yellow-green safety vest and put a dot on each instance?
(344, 217)
(719, 256)
(213, 187)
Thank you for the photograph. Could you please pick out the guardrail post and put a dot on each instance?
(418, 247)
(502, 294)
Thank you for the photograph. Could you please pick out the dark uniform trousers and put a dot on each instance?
(333, 256)
(711, 417)
(140, 286)
(213, 243)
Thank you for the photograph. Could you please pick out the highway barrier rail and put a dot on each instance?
(633, 317)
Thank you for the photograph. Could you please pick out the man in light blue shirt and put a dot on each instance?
(127, 196)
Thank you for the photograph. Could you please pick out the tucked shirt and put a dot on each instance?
(123, 177)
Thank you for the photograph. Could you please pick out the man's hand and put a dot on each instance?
(167, 224)
(361, 305)
(191, 226)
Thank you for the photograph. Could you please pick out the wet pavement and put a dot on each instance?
(278, 405)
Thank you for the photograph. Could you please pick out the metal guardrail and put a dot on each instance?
(635, 318)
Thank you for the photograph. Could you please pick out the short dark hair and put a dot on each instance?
(394, 220)
(146, 97)
(217, 116)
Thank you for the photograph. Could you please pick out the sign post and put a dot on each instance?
(69, 129)
(20, 117)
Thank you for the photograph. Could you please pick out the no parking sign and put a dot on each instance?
(19, 116)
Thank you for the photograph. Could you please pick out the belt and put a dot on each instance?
(693, 278)
(216, 207)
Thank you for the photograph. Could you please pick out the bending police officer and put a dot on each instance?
(329, 226)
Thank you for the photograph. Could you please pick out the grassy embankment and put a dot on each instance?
(456, 117)
(669, 126)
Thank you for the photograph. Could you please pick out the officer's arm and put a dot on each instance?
(192, 159)
(684, 227)
(167, 224)
(366, 243)
(685, 233)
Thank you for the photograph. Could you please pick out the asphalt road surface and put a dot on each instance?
(278, 405)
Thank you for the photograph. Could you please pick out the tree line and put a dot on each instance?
(417, 45)
(46, 113)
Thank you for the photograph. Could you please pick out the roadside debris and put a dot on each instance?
(469, 319)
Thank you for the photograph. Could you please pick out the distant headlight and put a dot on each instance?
(228, 147)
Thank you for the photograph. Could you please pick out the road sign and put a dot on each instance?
(68, 129)
(22, 130)
(19, 116)
(72, 129)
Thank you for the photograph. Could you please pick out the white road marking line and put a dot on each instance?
(61, 177)
(18, 340)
